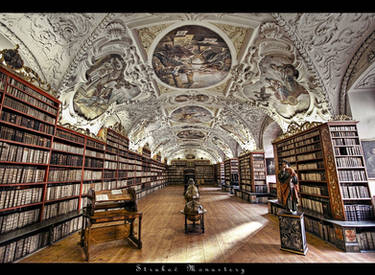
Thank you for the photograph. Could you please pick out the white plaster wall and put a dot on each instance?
(362, 104)
(5, 43)
(270, 133)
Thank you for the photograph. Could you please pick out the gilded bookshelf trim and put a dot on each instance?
(332, 184)
(294, 129)
(11, 59)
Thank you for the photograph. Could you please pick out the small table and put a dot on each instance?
(194, 223)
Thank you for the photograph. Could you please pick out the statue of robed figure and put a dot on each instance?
(289, 187)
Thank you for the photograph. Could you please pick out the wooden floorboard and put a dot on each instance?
(235, 232)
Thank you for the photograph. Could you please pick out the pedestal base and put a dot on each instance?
(292, 232)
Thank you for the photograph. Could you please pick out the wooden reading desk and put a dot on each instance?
(109, 216)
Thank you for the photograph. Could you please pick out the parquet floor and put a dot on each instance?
(235, 232)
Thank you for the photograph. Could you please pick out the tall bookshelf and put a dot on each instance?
(126, 168)
(46, 170)
(93, 170)
(176, 171)
(253, 177)
(64, 174)
(28, 121)
(204, 172)
(230, 170)
(334, 191)
(220, 173)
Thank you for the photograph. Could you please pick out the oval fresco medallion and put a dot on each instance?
(191, 134)
(191, 114)
(191, 57)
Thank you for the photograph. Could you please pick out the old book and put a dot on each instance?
(370, 241)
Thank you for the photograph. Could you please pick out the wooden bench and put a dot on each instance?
(110, 215)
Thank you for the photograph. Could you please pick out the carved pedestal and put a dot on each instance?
(292, 232)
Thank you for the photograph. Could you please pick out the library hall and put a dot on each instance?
(195, 142)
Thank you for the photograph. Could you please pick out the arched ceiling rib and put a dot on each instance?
(191, 83)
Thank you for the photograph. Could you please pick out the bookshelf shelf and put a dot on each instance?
(61, 199)
(20, 206)
(332, 178)
(15, 125)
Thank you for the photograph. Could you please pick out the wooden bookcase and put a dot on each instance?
(220, 173)
(334, 191)
(204, 172)
(253, 177)
(124, 168)
(230, 170)
(176, 171)
(28, 118)
(64, 174)
(92, 176)
(46, 170)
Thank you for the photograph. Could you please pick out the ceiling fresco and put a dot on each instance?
(191, 134)
(195, 84)
(191, 56)
(191, 114)
(105, 85)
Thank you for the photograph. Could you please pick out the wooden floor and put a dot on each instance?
(236, 232)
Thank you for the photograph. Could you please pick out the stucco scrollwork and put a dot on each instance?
(111, 75)
(70, 27)
(275, 79)
(325, 41)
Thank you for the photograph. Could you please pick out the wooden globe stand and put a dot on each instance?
(194, 223)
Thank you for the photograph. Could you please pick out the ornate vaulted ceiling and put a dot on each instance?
(205, 84)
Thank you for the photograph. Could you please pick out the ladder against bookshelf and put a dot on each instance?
(253, 177)
(334, 191)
